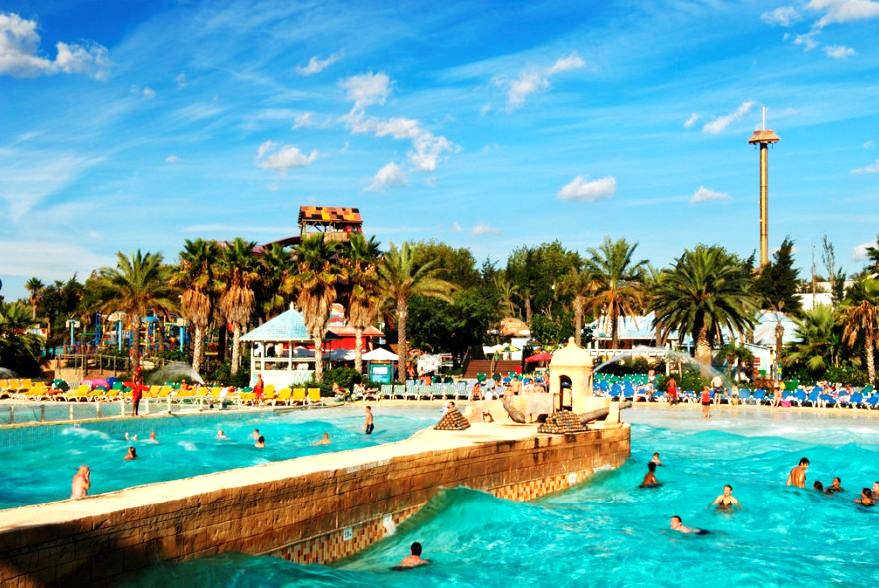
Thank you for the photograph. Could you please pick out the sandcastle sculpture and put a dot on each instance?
(452, 420)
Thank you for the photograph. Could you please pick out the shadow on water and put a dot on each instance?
(174, 372)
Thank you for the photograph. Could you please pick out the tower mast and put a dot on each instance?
(764, 137)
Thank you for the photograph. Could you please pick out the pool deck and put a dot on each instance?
(317, 508)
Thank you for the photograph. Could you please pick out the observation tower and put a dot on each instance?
(763, 137)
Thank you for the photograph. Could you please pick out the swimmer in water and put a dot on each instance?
(655, 459)
(131, 438)
(678, 525)
(131, 455)
(818, 486)
(726, 501)
(260, 442)
(414, 559)
(256, 435)
(835, 487)
(368, 424)
(866, 498)
(650, 480)
(221, 436)
(153, 438)
(325, 440)
(81, 483)
(797, 476)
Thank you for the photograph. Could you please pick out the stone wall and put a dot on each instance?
(319, 515)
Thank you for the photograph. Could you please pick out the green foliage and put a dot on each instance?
(776, 285)
(455, 265)
(535, 270)
(848, 374)
(552, 331)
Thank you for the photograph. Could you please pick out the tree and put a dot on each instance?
(817, 342)
(239, 269)
(137, 285)
(19, 350)
(873, 257)
(34, 289)
(706, 291)
(196, 274)
(580, 285)
(400, 278)
(535, 271)
(363, 296)
(319, 274)
(275, 284)
(835, 274)
(864, 319)
(617, 290)
(776, 285)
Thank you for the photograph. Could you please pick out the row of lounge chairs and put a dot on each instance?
(412, 390)
(25, 389)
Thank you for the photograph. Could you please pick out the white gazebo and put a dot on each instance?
(292, 367)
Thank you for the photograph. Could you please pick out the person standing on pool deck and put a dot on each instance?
(671, 388)
(414, 559)
(136, 392)
(706, 402)
(258, 388)
(717, 385)
(81, 483)
(368, 426)
(797, 476)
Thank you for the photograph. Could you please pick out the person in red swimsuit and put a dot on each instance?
(706, 402)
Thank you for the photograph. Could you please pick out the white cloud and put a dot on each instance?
(588, 190)
(873, 168)
(303, 120)
(172, 159)
(456, 227)
(389, 175)
(367, 89)
(783, 16)
(48, 259)
(838, 51)
(842, 11)
(317, 65)
(807, 40)
(283, 158)
(533, 80)
(148, 93)
(485, 109)
(859, 252)
(703, 194)
(692, 120)
(568, 63)
(181, 80)
(483, 229)
(20, 57)
(868, 144)
(427, 148)
(719, 124)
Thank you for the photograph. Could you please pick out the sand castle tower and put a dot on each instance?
(764, 137)
(570, 379)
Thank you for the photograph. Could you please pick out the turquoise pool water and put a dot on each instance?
(40, 462)
(610, 533)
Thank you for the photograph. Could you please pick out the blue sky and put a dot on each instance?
(129, 125)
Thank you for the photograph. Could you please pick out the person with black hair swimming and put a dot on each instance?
(414, 559)
(866, 498)
(678, 525)
(650, 480)
(726, 501)
(835, 487)
(260, 442)
(818, 486)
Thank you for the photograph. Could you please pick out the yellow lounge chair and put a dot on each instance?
(298, 395)
(282, 397)
(314, 396)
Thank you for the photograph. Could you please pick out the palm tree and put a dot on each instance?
(14, 318)
(579, 284)
(400, 279)
(864, 318)
(618, 291)
(508, 293)
(707, 290)
(318, 276)
(34, 288)
(239, 269)
(196, 275)
(139, 283)
(816, 340)
(364, 298)
(276, 282)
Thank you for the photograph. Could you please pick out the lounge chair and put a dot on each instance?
(314, 396)
(298, 396)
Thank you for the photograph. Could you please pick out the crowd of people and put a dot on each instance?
(82, 479)
(727, 502)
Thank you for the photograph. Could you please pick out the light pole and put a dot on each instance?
(72, 324)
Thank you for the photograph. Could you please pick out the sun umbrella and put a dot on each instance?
(538, 357)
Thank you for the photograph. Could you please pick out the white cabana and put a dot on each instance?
(380, 355)
(295, 365)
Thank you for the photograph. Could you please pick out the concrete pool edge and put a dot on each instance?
(311, 509)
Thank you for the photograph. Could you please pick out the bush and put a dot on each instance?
(847, 375)
(691, 380)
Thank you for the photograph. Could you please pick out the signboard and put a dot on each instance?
(381, 373)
